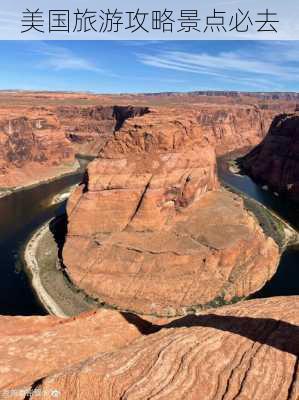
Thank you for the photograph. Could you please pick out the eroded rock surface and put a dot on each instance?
(211, 250)
(226, 128)
(275, 161)
(88, 128)
(34, 347)
(245, 351)
(150, 231)
(33, 147)
(41, 132)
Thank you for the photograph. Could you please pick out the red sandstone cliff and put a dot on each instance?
(150, 230)
(40, 132)
(226, 128)
(33, 147)
(88, 128)
(275, 161)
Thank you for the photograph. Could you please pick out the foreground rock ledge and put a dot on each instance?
(34, 347)
(246, 351)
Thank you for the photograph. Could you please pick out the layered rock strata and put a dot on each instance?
(275, 162)
(40, 132)
(34, 347)
(33, 147)
(226, 128)
(150, 231)
(245, 351)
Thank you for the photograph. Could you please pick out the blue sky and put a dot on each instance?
(149, 66)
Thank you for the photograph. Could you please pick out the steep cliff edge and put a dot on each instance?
(150, 231)
(88, 128)
(40, 132)
(275, 161)
(226, 128)
(245, 351)
(32, 147)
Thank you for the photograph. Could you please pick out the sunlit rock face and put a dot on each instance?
(41, 132)
(245, 351)
(33, 147)
(225, 127)
(89, 128)
(150, 230)
(34, 347)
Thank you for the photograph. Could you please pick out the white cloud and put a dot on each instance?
(264, 66)
(59, 58)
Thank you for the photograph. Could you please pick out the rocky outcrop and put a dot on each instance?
(150, 231)
(226, 128)
(245, 351)
(275, 161)
(171, 263)
(40, 143)
(88, 128)
(32, 147)
(34, 347)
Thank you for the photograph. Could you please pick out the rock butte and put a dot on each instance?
(150, 231)
(246, 351)
(275, 161)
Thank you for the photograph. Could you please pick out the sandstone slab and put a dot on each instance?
(245, 351)
(33, 347)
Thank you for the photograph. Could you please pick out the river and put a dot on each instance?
(21, 213)
(286, 280)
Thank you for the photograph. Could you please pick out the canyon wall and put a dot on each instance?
(275, 162)
(226, 128)
(88, 128)
(40, 133)
(40, 143)
(33, 147)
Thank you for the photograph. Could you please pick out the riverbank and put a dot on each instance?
(30, 256)
(63, 196)
(77, 169)
(273, 225)
(58, 296)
